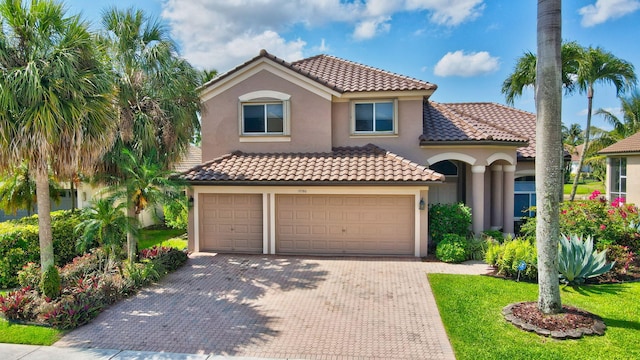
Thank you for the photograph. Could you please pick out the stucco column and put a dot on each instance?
(496, 197)
(477, 189)
(508, 186)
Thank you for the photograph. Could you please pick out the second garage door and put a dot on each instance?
(345, 224)
(231, 223)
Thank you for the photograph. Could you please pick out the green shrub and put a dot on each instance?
(494, 234)
(448, 219)
(506, 258)
(451, 249)
(30, 276)
(176, 213)
(607, 223)
(578, 261)
(475, 248)
(50, 283)
(19, 243)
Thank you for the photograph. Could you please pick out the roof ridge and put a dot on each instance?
(495, 126)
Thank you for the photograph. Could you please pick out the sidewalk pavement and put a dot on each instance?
(36, 352)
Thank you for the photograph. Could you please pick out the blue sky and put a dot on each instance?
(466, 47)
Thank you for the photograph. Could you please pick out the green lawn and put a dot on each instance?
(28, 334)
(149, 238)
(470, 307)
(585, 188)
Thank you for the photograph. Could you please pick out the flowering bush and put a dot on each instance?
(608, 224)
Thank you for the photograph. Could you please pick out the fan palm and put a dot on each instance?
(55, 99)
(157, 102)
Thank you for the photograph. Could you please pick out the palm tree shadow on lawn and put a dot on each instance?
(208, 306)
(588, 290)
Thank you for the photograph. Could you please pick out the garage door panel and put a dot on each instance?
(345, 224)
(231, 223)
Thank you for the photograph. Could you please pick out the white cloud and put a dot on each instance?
(466, 65)
(604, 10)
(370, 28)
(221, 33)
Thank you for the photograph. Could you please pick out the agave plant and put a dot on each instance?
(577, 261)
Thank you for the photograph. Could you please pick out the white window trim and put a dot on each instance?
(355, 133)
(263, 97)
(618, 191)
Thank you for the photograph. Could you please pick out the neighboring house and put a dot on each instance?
(326, 156)
(623, 169)
(575, 160)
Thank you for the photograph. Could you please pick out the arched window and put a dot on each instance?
(445, 167)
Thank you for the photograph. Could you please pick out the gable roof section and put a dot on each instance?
(348, 76)
(344, 165)
(337, 75)
(624, 146)
(477, 123)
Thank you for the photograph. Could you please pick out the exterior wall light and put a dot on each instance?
(422, 205)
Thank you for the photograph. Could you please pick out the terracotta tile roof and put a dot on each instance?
(479, 122)
(340, 75)
(348, 76)
(628, 145)
(366, 164)
(192, 158)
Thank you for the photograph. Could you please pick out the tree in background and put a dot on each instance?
(55, 99)
(548, 87)
(597, 66)
(18, 191)
(157, 101)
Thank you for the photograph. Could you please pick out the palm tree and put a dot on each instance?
(572, 136)
(18, 191)
(548, 157)
(630, 123)
(145, 184)
(157, 102)
(597, 66)
(524, 73)
(55, 99)
(105, 226)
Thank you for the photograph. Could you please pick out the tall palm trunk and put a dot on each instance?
(44, 218)
(587, 133)
(132, 242)
(548, 141)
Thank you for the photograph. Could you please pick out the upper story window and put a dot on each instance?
(375, 117)
(618, 186)
(264, 112)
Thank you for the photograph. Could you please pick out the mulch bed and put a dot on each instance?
(571, 323)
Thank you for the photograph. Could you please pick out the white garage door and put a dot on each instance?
(231, 223)
(345, 224)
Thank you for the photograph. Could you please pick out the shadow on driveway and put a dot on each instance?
(208, 306)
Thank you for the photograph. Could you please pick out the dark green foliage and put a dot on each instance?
(176, 213)
(475, 248)
(50, 283)
(451, 249)
(19, 243)
(494, 234)
(506, 258)
(448, 219)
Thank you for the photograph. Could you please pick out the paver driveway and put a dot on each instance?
(279, 307)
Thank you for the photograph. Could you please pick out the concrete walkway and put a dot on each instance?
(274, 307)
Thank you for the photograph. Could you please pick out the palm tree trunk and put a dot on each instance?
(132, 241)
(548, 141)
(44, 219)
(587, 133)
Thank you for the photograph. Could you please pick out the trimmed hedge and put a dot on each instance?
(20, 245)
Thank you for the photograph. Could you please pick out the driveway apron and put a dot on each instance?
(279, 307)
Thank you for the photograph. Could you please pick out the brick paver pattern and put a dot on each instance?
(282, 307)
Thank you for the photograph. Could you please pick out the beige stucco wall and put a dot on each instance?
(310, 119)
(633, 179)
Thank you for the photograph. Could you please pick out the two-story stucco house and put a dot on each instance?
(327, 156)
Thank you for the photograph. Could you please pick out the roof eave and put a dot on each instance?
(312, 183)
(427, 143)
